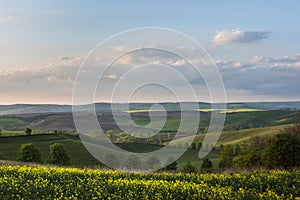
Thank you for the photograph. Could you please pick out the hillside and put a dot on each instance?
(106, 107)
(64, 121)
(81, 157)
(234, 137)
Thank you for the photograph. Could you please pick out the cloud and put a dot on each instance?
(239, 36)
(50, 83)
(263, 76)
(4, 19)
(66, 58)
(257, 78)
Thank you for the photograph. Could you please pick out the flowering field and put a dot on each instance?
(21, 182)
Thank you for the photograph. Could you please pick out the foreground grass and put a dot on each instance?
(21, 182)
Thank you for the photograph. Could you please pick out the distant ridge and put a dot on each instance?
(169, 106)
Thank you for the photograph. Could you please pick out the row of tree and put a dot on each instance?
(279, 151)
(29, 153)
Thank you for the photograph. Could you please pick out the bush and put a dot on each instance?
(28, 131)
(188, 168)
(193, 146)
(171, 164)
(111, 160)
(58, 155)
(132, 162)
(282, 150)
(29, 153)
(226, 157)
(206, 165)
(152, 162)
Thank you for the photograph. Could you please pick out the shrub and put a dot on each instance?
(111, 160)
(28, 131)
(282, 150)
(58, 155)
(172, 164)
(188, 168)
(132, 162)
(206, 165)
(152, 162)
(29, 153)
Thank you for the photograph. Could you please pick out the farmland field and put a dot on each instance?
(21, 182)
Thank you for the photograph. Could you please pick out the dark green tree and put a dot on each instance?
(193, 146)
(58, 155)
(29, 153)
(188, 168)
(249, 154)
(132, 162)
(152, 162)
(206, 166)
(282, 150)
(28, 131)
(199, 145)
(172, 164)
(111, 160)
(226, 157)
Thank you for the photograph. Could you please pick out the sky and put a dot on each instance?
(254, 44)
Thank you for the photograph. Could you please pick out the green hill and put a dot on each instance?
(234, 137)
(79, 155)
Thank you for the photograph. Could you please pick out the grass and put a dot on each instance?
(75, 149)
(233, 137)
(4, 122)
(81, 157)
(240, 117)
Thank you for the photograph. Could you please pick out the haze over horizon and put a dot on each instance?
(255, 46)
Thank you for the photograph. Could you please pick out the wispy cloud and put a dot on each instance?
(239, 36)
(6, 18)
(66, 58)
(256, 78)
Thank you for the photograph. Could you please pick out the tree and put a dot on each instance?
(193, 146)
(172, 164)
(132, 162)
(111, 160)
(293, 130)
(58, 155)
(199, 145)
(188, 168)
(282, 150)
(206, 165)
(0, 132)
(28, 131)
(110, 135)
(250, 153)
(169, 136)
(152, 162)
(29, 153)
(226, 157)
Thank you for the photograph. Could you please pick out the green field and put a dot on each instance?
(250, 124)
(81, 157)
(244, 120)
(234, 137)
(76, 150)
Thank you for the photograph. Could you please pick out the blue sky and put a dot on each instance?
(254, 37)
